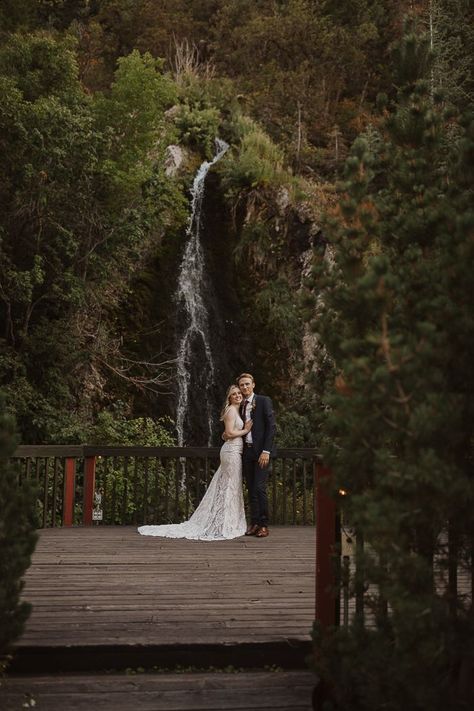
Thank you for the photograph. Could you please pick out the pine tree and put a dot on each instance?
(17, 537)
(399, 327)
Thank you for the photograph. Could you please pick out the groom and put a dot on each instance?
(258, 447)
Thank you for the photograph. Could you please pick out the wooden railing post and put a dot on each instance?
(89, 489)
(69, 491)
(325, 511)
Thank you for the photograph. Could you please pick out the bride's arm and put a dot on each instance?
(229, 422)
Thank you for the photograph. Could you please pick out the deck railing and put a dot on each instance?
(136, 485)
(133, 485)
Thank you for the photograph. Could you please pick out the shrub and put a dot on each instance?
(17, 537)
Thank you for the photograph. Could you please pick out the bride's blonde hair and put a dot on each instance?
(226, 403)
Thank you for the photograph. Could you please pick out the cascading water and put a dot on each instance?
(195, 335)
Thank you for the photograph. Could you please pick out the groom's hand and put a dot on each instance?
(263, 460)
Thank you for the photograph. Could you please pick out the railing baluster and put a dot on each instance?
(55, 491)
(283, 491)
(125, 490)
(198, 481)
(305, 504)
(162, 472)
(177, 475)
(187, 486)
(274, 491)
(89, 490)
(294, 492)
(345, 580)
(114, 489)
(145, 490)
(359, 582)
(45, 492)
(135, 492)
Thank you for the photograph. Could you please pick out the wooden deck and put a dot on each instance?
(108, 598)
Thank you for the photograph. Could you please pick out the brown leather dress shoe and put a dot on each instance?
(262, 532)
(252, 530)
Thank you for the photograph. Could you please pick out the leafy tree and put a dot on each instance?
(85, 199)
(17, 537)
(398, 324)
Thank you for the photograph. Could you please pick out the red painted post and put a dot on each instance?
(325, 510)
(69, 491)
(89, 489)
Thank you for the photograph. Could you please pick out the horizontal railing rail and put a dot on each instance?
(86, 450)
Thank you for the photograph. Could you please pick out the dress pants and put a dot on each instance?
(256, 480)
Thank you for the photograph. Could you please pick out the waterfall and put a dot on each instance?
(191, 305)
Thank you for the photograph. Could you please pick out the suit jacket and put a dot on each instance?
(264, 425)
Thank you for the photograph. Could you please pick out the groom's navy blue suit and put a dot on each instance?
(263, 433)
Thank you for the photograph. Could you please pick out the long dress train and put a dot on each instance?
(221, 514)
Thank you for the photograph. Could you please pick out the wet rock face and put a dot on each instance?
(237, 341)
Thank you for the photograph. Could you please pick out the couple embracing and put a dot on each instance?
(249, 424)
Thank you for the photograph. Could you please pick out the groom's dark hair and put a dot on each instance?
(245, 375)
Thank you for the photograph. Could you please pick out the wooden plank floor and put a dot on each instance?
(109, 588)
(249, 691)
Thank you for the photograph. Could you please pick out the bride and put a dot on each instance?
(221, 514)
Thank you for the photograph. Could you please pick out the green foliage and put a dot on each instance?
(199, 127)
(277, 308)
(452, 39)
(295, 429)
(294, 61)
(17, 537)
(257, 162)
(112, 427)
(133, 109)
(85, 199)
(39, 66)
(398, 325)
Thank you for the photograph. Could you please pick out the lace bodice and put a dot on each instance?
(236, 443)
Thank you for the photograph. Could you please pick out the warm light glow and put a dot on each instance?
(343, 492)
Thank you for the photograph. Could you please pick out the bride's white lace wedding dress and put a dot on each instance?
(221, 514)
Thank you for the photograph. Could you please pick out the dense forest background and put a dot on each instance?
(93, 214)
